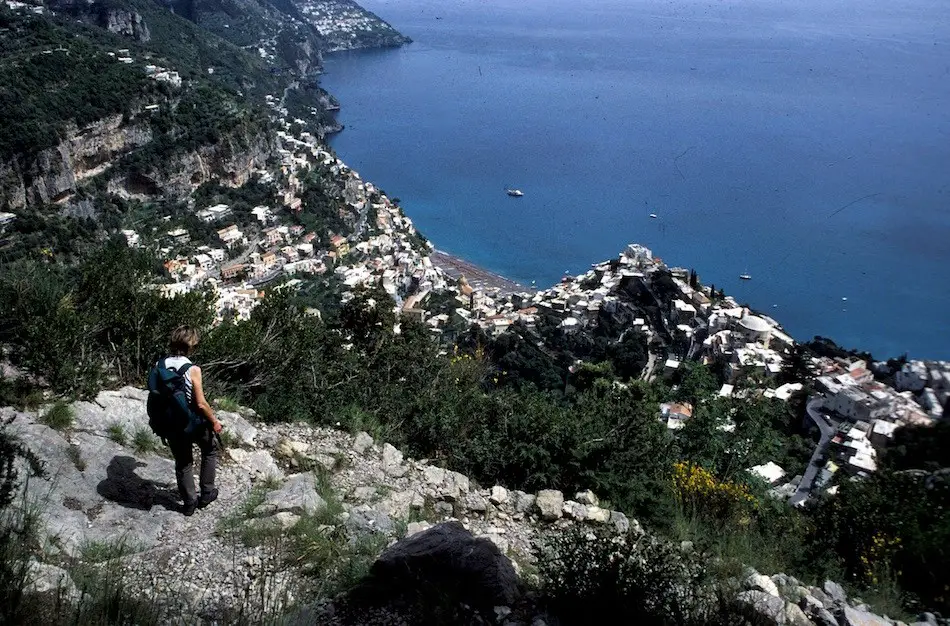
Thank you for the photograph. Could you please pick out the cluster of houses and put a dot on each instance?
(340, 22)
(13, 5)
(865, 412)
(162, 75)
(859, 413)
(280, 250)
(720, 331)
(382, 250)
(575, 302)
(859, 416)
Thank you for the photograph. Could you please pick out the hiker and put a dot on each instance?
(198, 425)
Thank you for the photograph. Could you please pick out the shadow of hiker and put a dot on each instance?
(125, 488)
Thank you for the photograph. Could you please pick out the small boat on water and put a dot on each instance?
(653, 215)
(514, 193)
(745, 276)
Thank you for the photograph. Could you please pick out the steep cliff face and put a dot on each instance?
(128, 23)
(231, 162)
(120, 21)
(52, 174)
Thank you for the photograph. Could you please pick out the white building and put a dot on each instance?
(131, 238)
(770, 472)
(263, 214)
(204, 261)
(214, 213)
(911, 377)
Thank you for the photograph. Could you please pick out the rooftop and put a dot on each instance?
(755, 324)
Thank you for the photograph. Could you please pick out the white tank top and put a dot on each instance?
(175, 362)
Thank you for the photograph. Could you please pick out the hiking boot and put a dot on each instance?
(208, 499)
(188, 509)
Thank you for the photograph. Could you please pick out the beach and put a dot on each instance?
(477, 277)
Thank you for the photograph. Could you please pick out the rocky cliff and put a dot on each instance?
(115, 19)
(291, 490)
(230, 161)
(52, 174)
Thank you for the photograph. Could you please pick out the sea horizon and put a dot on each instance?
(803, 145)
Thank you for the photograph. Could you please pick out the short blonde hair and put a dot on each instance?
(183, 340)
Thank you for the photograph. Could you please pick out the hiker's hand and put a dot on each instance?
(216, 425)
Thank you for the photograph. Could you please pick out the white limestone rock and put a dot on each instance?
(761, 582)
(297, 495)
(499, 495)
(363, 442)
(575, 511)
(549, 504)
(392, 462)
(598, 515)
(257, 464)
(587, 498)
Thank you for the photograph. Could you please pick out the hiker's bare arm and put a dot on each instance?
(203, 407)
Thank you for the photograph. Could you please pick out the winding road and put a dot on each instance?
(827, 432)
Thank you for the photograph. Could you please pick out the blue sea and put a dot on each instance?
(804, 142)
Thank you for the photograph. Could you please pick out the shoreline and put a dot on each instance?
(478, 277)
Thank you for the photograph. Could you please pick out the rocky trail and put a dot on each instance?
(110, 491)
(298, 507)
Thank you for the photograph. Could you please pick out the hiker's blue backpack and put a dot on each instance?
(169, 412)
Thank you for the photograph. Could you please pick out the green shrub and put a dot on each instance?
(20, 393)
(59, 416)
(587, 575)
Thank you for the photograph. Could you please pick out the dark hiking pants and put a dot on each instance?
(182, 450)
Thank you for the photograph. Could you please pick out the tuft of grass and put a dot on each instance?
(102, 551)
(327, 554)
(20, 526)
(59, 416)
(331, 513)
(105, 597)
(340, 461)
(144, 441)
(382, 491)
(117, 434)
(235, 523)
(355, 419)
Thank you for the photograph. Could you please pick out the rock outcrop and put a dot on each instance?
(231, 162)
(781, 600)
(120, 21)
(52, 175)
(447, 559)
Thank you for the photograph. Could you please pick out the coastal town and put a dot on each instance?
(855, 407)
(854, 411)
